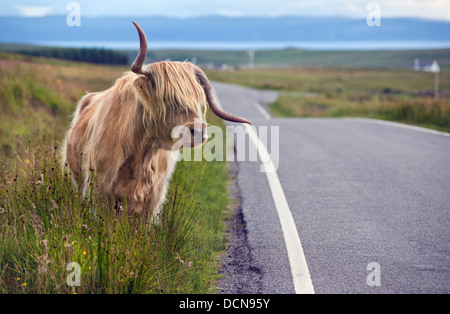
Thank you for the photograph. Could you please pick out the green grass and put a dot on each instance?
(38, 95)
(351, 59)
(391, 94)
(306, 58)
(45, 224)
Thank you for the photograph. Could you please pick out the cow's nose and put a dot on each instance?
(204, 134)
(200, 135)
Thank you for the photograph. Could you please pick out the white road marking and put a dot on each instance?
(402, 125)
(297, 260)
(262, 111)
(299, 267)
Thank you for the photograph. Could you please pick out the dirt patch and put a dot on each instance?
(241, 276)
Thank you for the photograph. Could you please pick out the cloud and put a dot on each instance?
(33, 11)
(230, 13)
(434, 9)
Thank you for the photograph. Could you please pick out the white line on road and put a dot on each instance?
(403, 126)
(297, 260)
(262, 111)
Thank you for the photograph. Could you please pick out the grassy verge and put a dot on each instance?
(45, 225)
(390, 94)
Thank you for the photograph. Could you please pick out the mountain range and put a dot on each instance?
(220, 28)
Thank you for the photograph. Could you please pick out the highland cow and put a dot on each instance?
(121, 137)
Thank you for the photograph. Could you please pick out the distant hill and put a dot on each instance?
(97, 56)
(219, 28)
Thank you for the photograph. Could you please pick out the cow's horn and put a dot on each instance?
(137, 65)
(211, 101)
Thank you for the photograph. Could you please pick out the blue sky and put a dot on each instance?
(430, 9)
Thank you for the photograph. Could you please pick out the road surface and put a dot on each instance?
(370, 202)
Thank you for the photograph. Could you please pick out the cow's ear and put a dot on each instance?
(139, 82)
(144, 82)
(142, 86)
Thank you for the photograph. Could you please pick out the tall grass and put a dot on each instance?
(45, 224)
(38, 95)
(426, 112)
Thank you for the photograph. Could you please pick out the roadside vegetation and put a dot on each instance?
(401, 95)
(45, 224)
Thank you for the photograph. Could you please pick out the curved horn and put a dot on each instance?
(137, 65)
(212, 103)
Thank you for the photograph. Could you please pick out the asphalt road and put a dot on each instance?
(360, 192)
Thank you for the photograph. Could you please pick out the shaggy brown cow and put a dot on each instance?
(122, 136)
